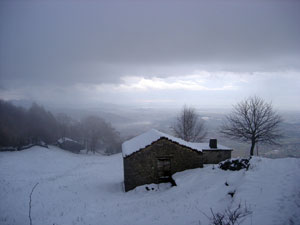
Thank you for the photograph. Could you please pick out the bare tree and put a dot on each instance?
(93, 129)
(253, 120)
(98, 134)
(188, 126)
(64, 124)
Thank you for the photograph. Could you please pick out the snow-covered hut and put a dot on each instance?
(69, 145)
(153, 157)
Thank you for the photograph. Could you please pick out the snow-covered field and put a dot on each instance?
(87, 189)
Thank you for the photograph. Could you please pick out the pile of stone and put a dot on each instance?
(235, 164)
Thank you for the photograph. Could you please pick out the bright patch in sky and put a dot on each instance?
(199, 81)
(193, 83)
(201, 88)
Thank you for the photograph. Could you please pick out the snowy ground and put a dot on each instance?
(87, 189)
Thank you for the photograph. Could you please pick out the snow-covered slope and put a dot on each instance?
(87, 189)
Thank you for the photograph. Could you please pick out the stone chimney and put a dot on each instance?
(213, 143)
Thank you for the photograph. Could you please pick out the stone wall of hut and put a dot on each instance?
(215, 156)
(141, 167)
(71, 146)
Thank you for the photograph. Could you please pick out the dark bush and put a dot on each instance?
(235, 164)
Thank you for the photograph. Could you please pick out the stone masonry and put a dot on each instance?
(142, 166)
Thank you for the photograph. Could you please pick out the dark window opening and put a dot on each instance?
(164, 167)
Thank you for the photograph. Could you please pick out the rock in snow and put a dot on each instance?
(87, 189)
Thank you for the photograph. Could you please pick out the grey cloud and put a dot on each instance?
(56, 41)
(48, 47)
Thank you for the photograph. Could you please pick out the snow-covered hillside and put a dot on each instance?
(87, 189)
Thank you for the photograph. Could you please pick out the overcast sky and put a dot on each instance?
(154, 53)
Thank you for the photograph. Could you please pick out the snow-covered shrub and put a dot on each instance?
(235, 164)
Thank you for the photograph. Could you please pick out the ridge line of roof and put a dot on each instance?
(145, 139)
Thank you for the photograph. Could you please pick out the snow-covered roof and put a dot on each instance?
(63, 139)
(145, 139)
